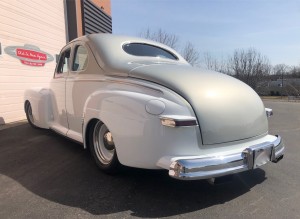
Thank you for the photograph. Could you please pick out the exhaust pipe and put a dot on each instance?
(277, 159)
(220, 180)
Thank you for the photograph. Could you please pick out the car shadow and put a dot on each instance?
(59, 170)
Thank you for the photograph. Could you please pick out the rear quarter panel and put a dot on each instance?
(139, 137)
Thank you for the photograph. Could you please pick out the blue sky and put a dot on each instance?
(218, 26)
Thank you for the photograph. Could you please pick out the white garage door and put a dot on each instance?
(31, 33)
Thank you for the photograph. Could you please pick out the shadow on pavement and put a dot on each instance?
(59, 170)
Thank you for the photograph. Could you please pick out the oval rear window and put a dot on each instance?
(141, 49)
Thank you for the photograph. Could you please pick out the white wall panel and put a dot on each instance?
(34, 22)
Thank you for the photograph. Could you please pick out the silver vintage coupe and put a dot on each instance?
(138, 103)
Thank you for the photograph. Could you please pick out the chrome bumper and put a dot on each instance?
(211, 167)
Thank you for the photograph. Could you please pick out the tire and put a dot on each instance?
(29, 115)
(102, 148)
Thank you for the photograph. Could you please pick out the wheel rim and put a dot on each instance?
(103, 143)
(29, 113)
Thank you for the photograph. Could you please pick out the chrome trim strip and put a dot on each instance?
(135, 84)
(210, 167)
(119, 82)
(178, 121)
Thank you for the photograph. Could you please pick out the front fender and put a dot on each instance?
(39, 98)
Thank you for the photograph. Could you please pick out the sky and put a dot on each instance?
(218, 26)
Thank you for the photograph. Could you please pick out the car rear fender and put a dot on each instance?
(136, 132)
(113, 107)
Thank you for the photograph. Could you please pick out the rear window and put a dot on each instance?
(141, 49)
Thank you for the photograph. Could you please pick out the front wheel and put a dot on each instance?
(103, 148)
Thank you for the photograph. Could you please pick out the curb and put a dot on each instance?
(13, 124)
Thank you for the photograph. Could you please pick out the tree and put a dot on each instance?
(161, 36)
(212, 63)
(249, 66)
(295, 71)
(190, 54)
(281, 69)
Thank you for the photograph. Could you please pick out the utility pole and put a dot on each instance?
(281, 83)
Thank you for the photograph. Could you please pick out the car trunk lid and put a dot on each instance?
(226, 108)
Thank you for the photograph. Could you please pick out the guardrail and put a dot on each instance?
(294, 98)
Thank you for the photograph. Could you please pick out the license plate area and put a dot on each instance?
(258, 156)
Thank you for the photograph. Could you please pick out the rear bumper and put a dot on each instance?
(210, 167)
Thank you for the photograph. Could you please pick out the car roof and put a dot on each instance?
(108, 51)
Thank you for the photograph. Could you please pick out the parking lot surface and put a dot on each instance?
(43, 175)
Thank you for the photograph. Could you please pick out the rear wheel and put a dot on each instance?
(29, 115)
(103, 148)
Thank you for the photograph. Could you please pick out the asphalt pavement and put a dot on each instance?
(43, 175)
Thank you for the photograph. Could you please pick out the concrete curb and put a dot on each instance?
(280, 100)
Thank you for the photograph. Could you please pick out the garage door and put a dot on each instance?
(31, 33)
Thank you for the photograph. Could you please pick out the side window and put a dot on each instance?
(80, 58)
(63, 64)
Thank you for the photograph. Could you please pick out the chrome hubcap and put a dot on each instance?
(103, 143)
(108, 141)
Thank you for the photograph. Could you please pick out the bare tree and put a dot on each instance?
(295, 71)
(249, 66)
(283, 72)
(281, 69)
(209, 61)
(212, 63)
(161, 36)
(190, 54)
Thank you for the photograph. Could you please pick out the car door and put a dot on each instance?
(76, 91)
(58, 93)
